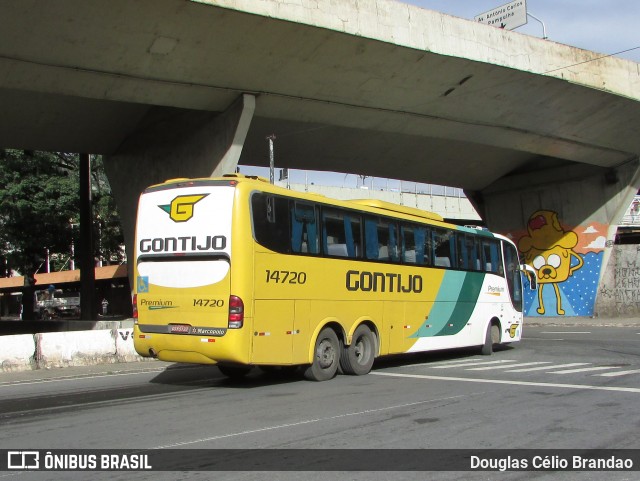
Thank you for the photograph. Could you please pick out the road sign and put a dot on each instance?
(508, 16)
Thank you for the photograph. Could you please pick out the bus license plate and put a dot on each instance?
(179, 329)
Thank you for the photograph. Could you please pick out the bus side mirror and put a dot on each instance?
(530, 272)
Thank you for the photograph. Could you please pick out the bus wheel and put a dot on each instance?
(357, 358)
(326, 356)
(491, 337)
(234, 372)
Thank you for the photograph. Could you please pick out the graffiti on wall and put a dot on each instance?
(567, 263)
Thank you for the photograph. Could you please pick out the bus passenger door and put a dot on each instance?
(272, 336)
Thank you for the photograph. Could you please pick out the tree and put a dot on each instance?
(39, 210)
(107, 227)
(39, 201)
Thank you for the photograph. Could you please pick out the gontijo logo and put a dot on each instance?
(181, 208)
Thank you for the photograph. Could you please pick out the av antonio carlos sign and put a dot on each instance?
(509, 16)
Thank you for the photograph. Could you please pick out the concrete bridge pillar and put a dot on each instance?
(564, 220)
(170, 143)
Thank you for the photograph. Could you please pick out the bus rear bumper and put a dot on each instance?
(191, 349)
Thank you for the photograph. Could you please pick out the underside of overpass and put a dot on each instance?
(170, 88)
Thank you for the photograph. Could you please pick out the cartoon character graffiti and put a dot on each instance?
(549, 249)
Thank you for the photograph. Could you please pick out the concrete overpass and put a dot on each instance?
(168, 88)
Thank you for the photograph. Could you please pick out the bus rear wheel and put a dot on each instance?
(357, 358)
(326, 357)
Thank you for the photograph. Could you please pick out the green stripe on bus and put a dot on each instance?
(455, 302)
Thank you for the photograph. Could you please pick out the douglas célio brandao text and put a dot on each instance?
(574, 462)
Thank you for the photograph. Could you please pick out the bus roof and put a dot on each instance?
(373, 205)
(401, 209)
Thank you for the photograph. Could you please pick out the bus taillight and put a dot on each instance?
(134, 304)
(236, 312)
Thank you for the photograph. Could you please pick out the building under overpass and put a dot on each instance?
(542, 136)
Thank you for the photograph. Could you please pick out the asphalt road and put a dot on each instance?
(560, 388)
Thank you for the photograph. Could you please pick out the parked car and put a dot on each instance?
(55, 304)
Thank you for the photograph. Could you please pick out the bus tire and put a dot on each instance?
(234, 372)
(491, 337)
(357, 358)
(326, 357)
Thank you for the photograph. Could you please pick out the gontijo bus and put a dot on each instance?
(237, 272)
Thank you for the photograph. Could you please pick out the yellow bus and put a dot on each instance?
(240, 273)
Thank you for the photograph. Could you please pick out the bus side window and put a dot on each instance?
(341, 233)
(429, 247)
(304, 229)
(371, 239)
(270, 216)
(382, 240)
(413, 245)
(445, 248)
(408, 245)
(473, 256)
(463, 251)
(491, 256)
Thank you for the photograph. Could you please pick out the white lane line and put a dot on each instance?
(449, 366)
(544, 368)
(565, 332)
(540, 339)
(619, 373)
(316, 420)
(452, 361)
(586, 369)
(514, 383)
(508, 366)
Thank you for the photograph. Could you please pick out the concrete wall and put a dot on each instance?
(563, 221)
(25, 352)
(619, 292)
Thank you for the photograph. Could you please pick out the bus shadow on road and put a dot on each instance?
(208, 376)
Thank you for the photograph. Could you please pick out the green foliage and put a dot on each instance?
(39, 208)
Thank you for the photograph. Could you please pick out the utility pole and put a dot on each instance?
(271, 138)
(88, 309)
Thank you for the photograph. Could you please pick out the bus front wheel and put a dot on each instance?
(358, 357)
(491, 338)
(326, 356)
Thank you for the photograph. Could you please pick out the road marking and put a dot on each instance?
(317, 420)
(565, 332)
(509, 366)
(514, 383)
(452, 361)
(449, 366)
(543, 368)
(540, 339)
(618, 373)
(586, 369)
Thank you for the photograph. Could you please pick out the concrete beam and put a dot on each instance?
(171, 143)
